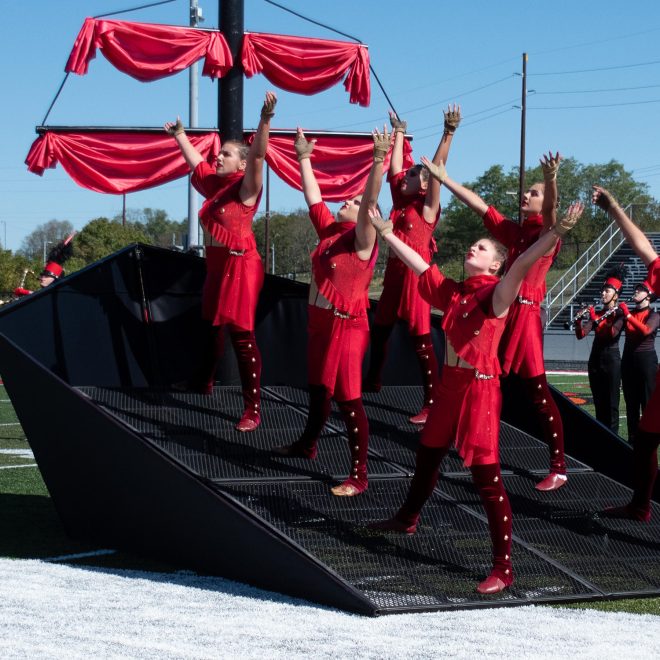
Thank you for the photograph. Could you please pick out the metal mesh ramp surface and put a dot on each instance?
(562, 551)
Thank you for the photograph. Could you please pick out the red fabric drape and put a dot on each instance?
(307, 66)
(341, 163)
(147, 51)
(115, 162)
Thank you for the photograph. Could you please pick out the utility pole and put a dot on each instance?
(523, 115)
(193, 104)
(230, 88)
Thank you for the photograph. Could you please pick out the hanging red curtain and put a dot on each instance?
(147, 51)
(115, 162)
(307, 66)
(341, 163)
(124, 162)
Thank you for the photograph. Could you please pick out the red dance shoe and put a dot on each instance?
(493, 584)
(627, 512)
(248, 422)
(394, 525)
(553, 481)
(420, 417)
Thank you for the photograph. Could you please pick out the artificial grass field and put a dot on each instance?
(31, 528)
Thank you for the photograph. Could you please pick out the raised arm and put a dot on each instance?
(633, 234)
(190, 154)
(365, 232)
(432, 201)
(409, 257)
(254, 168)
(310, 186)
(399, 127)
(469, 198)
(509, 286)
(550, 166)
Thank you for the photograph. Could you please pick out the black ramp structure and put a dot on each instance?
(132, 464)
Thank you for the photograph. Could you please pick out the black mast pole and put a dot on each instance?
(230, 88)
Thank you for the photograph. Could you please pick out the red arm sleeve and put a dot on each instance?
(205, 180)
(321, 217)
(435, 288)
(504, 230)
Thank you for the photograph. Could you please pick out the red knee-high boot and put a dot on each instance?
(427, 464)
(378, 351)
(552, 429)
(645, 470)
(488, 480)
(319, 410)
(212, 348)
(428, 365)
(357, 428)
(249, 368)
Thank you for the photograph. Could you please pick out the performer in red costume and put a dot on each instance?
(415, 214)
(521, 348)
(467, 406)
(604, 366)
(647, 439)
(640, 360)
(234, 271)
(342, 266)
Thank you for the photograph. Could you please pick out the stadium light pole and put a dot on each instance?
(193, 104)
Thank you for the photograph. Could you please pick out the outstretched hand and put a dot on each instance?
(550, 165)
(174, 128)
(302, 145)
(383, 227)
(438, 171)
(452, 118)
(268, 108)
(603, 198)
(398, 125)
(571, 218)
(381, 144)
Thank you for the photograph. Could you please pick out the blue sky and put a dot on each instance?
(426, 54)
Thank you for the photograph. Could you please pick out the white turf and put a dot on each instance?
(61, 611)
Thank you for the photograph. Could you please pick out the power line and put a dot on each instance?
(601, 105)
(605, 68)
(597, 91)
(593, 43)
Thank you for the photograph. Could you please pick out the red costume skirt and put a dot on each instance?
(521, 346)
(232, 286)
(650, 421)
(335, 352)
(401, 299)
(466, 410)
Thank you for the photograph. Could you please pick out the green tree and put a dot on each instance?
(159, 228)
(101, 237)
(294, 239)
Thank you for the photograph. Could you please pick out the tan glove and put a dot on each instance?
(381, 144)
(550, 166)
(383, 227)
(603, 198)
(398, 125)
(303, 146)
(570, 219)
(452, 118)
(175, 128)
(438, 171)
(268, 108)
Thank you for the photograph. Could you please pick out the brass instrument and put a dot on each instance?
(14, 295)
